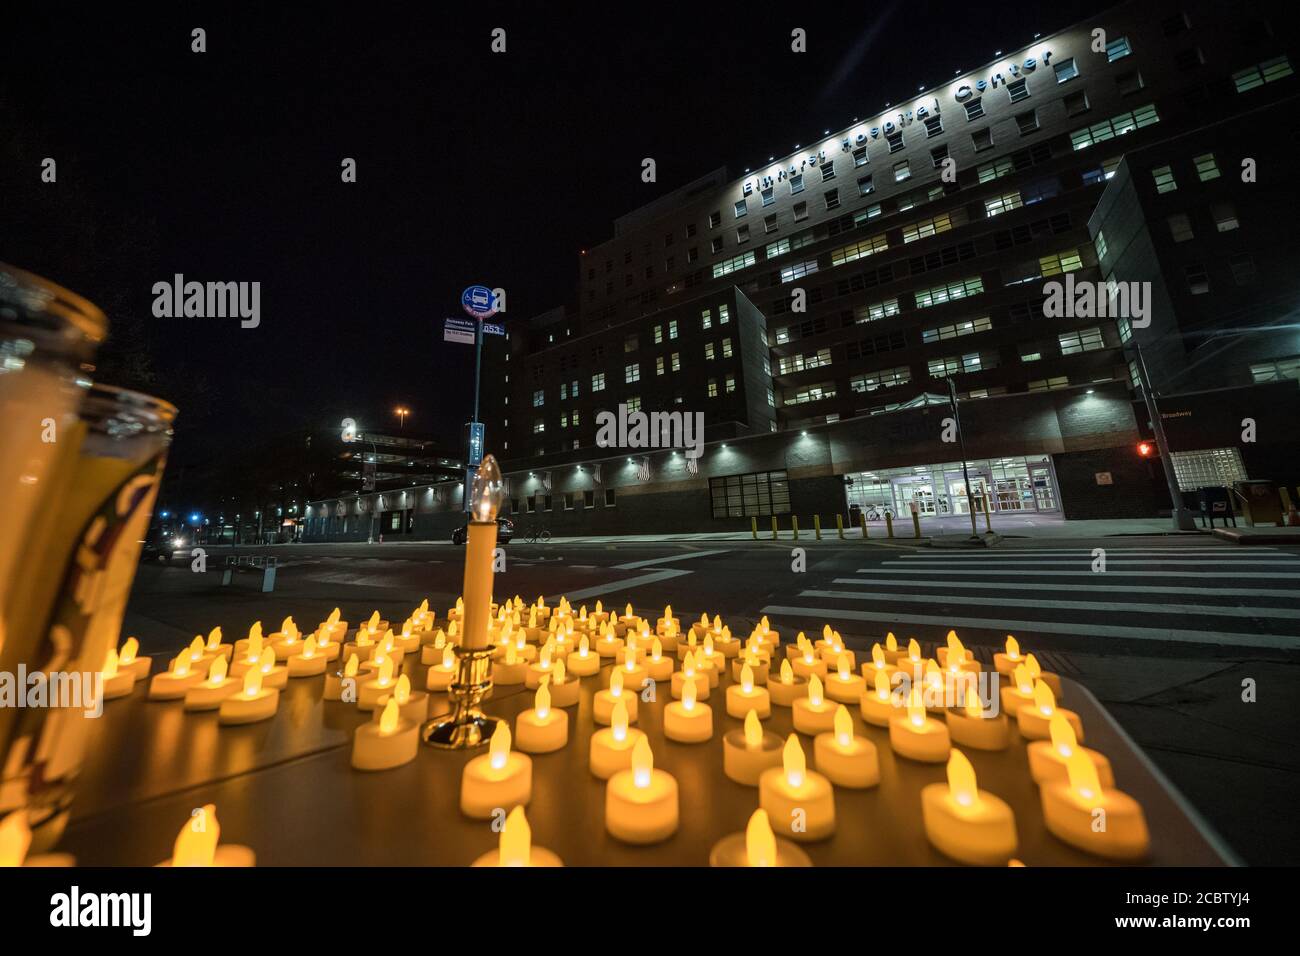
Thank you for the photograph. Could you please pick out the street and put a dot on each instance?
(1171, 636)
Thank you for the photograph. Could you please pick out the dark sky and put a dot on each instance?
(471, 166)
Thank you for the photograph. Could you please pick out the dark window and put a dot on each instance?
(760, 494)
(974, 109)
(609, 497)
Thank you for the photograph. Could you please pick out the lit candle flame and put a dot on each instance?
(688, 665)
(130, 647)
(499, 746)
(214, 638)
(511, 655)
(1083, 776)
(787, 673)
(196, 844)
(843, 726)
(882, 685)
(385, 672)
(961, 779)
(217, 672)
(558, 671)
(826, 633)
(915, 707)
(1044, 699)
(793, 762)
(196, 649)
(643, 763)
(1063, 739)
(814, 690)
(656, 650)
(584, 646)
(615, 683)
(747, 680)
(402, 692)
(350, 668)
(843, 666)
(629, 656)
(373, 623)
(1031, 665)
(1024, 684)
(448, 657)
(891, 642)
(1013, 648)
(542, 702)
(266, 662)
(974, 706)
(181, 664)
(760, 841)
(110, 664)
(878, 657)
(618, 721)
(544, 658)
(688, 695)
(252, 682)
(753, 731)
(914, 651)
(388, 719)
(516, 846)
(308, 647)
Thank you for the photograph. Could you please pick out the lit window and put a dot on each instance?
(1117, 49)
(1258, 75)
(902, 171)
(1164, 177)
(1115, 126)
(598, 382)
(659, 365)
(798, 270)
(675, 361)
(865, 186)
(927, 227)
(713, 388)
(1206, 167)
(731, 383)
(672, 329)
(858, 250)
(948, 292)
(708, 351)
(796, 184)
(1066, 70)
(1000, 204)
(724, 314)
(1060, 263)
(726, 348)
(539, 398)
(1084, 340)
(1225, 216)
(742, 208)
(632, 373)
(634, 403)
(728, 266)
(1100, 245)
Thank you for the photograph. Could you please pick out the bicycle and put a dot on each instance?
(537, 534)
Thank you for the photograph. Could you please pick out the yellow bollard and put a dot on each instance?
(916, 525)
(862, 520)
(794, 524)
(988, 514)
(817, 526)
(839, 525)
(773, 527)
(1286, 498)
(753, 527)
(889, 525)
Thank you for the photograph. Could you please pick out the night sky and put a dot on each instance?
(472, 167)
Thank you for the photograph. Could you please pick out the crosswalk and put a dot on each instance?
(1215, 595)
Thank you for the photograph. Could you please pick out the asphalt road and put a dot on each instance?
(1168, 635)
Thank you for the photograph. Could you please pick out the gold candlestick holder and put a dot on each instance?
(466, 727)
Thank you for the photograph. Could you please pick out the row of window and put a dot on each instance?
(570, 501)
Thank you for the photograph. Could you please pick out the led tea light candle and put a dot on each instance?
(542, 669)
(757, 846)
(543, 728)
(338, 681)
(511, 669)
(129, 659)
(846, 759)
(412, 705)
(702, 626)
(1033, 718)
(689, 673)
(1006, 662)
(198, 844)
(431, 653)
(709, 662)
(386, 743)
(327, 644)
(117, 682)
(209, 694)
(747, 753)
(726, 645)
(611, 748)
(381, 684)
(878, 705)
(248, 653)
(582, 662)
(1047, 758)
(955, 659)
(362, 645)
(1102, 821)
(251, 704)
(196, 652)
(914, 735)
(602, 705)
(759, 664)
(633, 674)
(744, 697)
(637, 644)
(936, 691)
(523, 650)
(563, 688)
(385, 649)
(877, 665)
(172, 684)
(609, 644)
(1036, 673)
(965, 823)
(254, 636)
(969, 726)
(334, 626)
(1020, 693)
(500, 778)
(286, 642)
(814, 714)
(671, 639)
(641, 802)
(309, 662)
(657, 666)
(787, 688)
(845, 686)
(911, 662)
(808, 664)
(801, 801)
(668, 623)
(892, 651)
(689, 646)
(687, 720)
(564, 640)
(273, 674)
(439, 677)
(407, 641)
(600, 615)
(516, 846)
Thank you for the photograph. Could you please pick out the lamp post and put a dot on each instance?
(401, 411)
(1183, 517)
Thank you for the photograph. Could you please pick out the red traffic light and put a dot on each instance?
(1146, 448)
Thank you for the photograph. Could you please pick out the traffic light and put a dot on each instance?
(1148, 449)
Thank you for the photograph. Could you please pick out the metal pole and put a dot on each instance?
(478, 368)
(1183, 519)
(961, 441)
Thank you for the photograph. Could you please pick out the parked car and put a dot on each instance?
(162, 546)
(505, 531)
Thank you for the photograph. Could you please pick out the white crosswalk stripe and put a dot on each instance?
(1195, 595)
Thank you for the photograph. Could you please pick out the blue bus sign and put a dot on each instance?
(479, 302)
(475, 443)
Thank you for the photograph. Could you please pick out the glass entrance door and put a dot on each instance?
(920, 491)
(957, 492)
(1040, 476)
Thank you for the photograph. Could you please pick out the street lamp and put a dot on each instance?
(401, 411)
